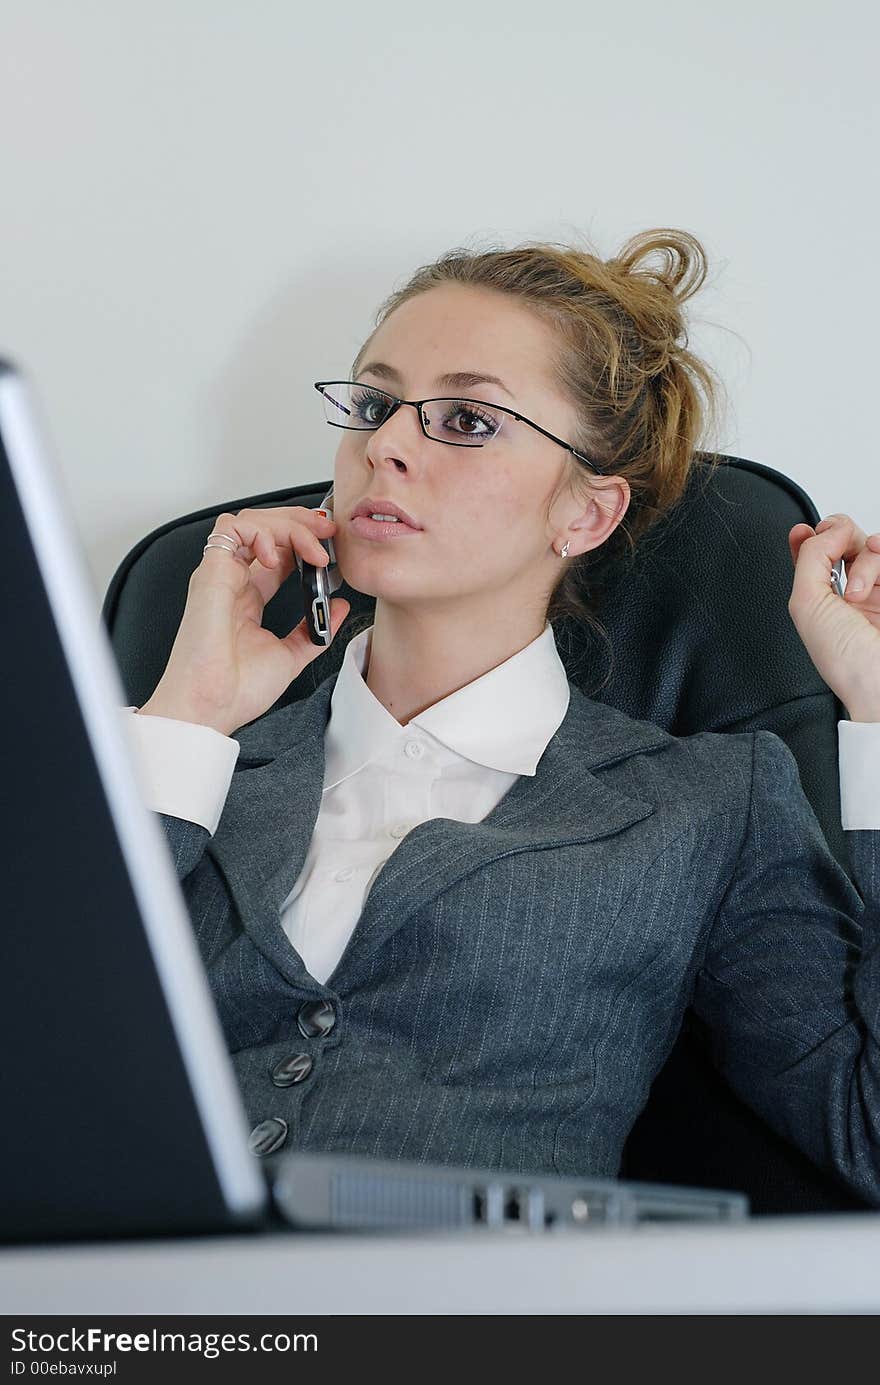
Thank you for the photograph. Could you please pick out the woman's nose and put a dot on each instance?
(398, 435)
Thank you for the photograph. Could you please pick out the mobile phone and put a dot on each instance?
(837, 575)
(318, 583)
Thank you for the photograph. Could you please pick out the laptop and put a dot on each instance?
(122, 1112)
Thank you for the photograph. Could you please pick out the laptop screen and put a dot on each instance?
(120, 1105)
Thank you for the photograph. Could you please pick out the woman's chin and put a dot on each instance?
(377, 574)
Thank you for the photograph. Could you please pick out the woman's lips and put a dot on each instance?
(367, 528)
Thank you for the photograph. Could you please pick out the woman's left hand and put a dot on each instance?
(840, 634)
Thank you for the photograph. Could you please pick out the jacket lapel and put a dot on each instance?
(263, 836)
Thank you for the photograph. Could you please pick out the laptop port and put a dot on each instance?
(513, 1209)
(488, 1205)
(580, 1209)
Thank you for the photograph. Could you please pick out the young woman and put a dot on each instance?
(452, 909)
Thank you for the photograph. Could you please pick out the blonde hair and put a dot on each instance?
(644, 401)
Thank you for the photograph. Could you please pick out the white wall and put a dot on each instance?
(204, 202)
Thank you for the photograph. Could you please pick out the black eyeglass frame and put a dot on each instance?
(418, 404)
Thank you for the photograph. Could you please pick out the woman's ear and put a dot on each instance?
(606, 507)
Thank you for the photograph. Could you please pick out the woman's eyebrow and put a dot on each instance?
(460, 379)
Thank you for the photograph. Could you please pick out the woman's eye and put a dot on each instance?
(370, 408)
(474, 423)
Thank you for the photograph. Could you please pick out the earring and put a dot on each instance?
(564, 552)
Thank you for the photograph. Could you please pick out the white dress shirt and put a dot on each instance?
(457, 759)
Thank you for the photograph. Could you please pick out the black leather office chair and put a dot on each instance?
(699, 639)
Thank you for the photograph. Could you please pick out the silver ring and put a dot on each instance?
(221, 544)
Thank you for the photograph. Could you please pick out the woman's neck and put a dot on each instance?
(416, 658)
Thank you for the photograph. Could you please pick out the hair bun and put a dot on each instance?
(683, 267)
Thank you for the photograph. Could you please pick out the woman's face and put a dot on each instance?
(483, 511)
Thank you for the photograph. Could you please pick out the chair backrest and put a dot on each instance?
(699, 639)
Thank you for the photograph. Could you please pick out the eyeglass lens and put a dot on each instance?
(462, 421)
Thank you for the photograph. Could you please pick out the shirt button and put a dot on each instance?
(414, 749)
(268, 1136)
(295, 1068)
(315, 1018)
(344, 874)
(399, 830)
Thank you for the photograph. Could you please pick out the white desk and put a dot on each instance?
(779, 1265)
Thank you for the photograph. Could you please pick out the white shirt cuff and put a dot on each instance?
(858, 759)
(184, 769)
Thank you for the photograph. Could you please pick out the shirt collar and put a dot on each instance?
(502, 720)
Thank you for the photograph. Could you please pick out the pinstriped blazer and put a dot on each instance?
(512, 986)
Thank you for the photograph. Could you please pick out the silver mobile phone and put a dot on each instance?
(318, 584)
(837, 576)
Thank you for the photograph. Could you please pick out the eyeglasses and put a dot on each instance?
(459, 423)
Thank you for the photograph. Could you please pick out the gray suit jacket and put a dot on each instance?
(512, 986)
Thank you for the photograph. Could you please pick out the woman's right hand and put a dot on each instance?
(224, 669)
